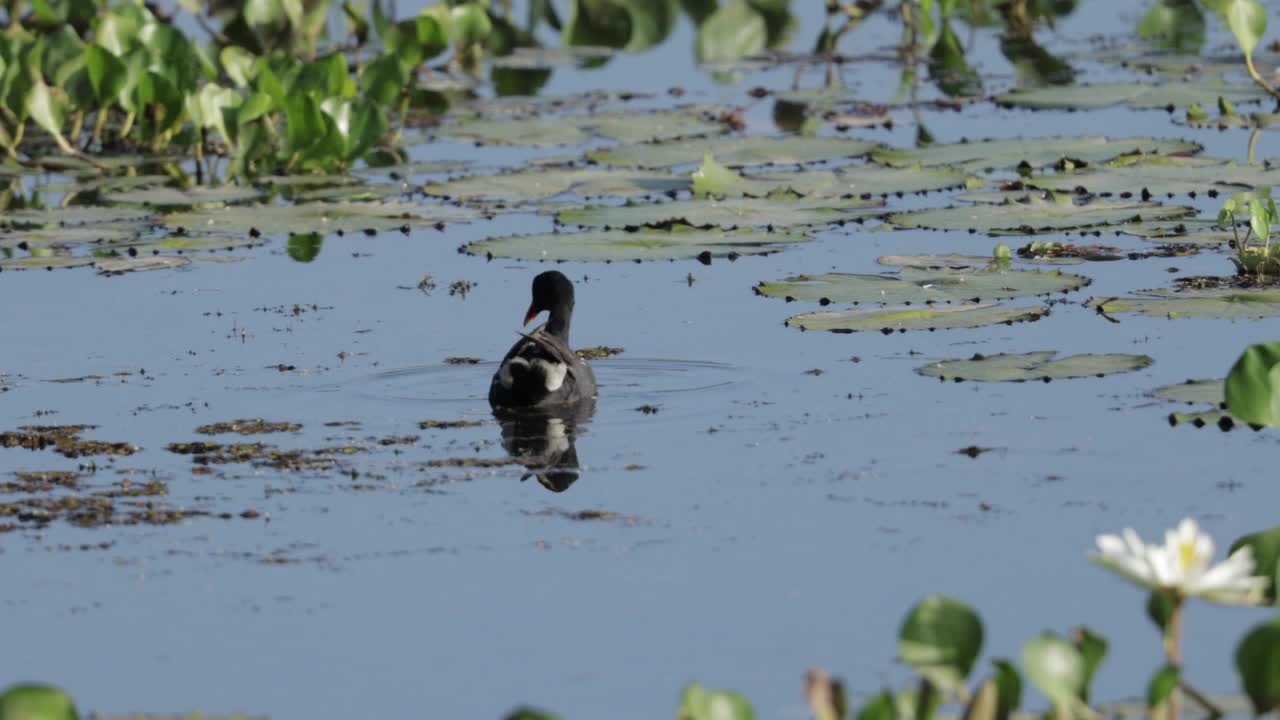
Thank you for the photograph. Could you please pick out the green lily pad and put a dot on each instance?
(922, 285)
(865, 181)
(1159, 175)
(1037, 152)
(1032, 213)
(954, 261)
(779, 210)
(1235, 121)
(543, 184)
(1192, 392)
(1136, 95)
(538, 58)
(70, 216)
(179, 244)
(679, 243)
(315, 217)
(45, 262)
(733, 152)
(969, 315)
(1206, 303)
(193, 197)
(73, 235)
(1194, 231)
(122, 265)
(579, 129)
(1032, 366)
(1220, 418)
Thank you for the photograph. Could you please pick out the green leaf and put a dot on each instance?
(305, 247)
(107, 73)
(733, 152)
(469, 24)
(735, 30)
(1057, 668)
(1032, 213)
(1265, 547)
(940, 639)
(775, 211)
(1009, 685)
(383, 80)
(1258, 663)
(1037, 366)
(1259, 220)
(881, 706)
(48, 107)
(698, 703)
(1248, 22)
(678, 243)
(969, 315)
(36, 702)
(539, 184)
(949, 69)
(1252, 389)
(1162, 686)
(238, 64)
(1092, 646)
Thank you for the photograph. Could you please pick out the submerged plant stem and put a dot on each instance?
(1173, 652)
(1257, 77)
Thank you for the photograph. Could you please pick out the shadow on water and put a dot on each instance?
(545, 441)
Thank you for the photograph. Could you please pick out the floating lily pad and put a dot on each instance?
(537, 58)
(925, 318)
(315, 217)
(1136, 95)
(1160, 175)
(922, 285)
(183, 244)
(1192, 392)
(1031, 214)
(579, 129)
(679, 243)
(780, 210)
(947, 260)
(70, 216)
(542, 184)
(1195, 117)
(864, 181)
(1192, 231)
(1207, 303)
(193, 197)
(1032, 366)
(1036, 152)
(1219, 418)
(74, 235)
(734, 152)
(45, 262)
(119, 266)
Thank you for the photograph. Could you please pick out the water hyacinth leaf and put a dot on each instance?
(1036, 152)
(1034, 366)
(1161, 686)
(1265, 548)
(1056, 667)
(712, 178)
(1159, 175)
(1248, 22)
(533, 185)
(880, 706)
(985, 703)
(941, 639)
(315, 217)
(528, 713)
(1252, 388)
(922, 285)
(1137, 96)
(383, 79)
(678, 243)
(36, 702)
(733, 152)
(304, 248)
(1031, 213)
(782, 210)
(1208, 303)
(107, 74)
(1258, 664)
(699, 703)
(1009, 686)
(735, 30)
(1192, 392)
(969, 315)
(192, 197)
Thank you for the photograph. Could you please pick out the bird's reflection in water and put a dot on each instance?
(543, 440)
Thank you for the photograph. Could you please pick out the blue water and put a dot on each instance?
(770, 520)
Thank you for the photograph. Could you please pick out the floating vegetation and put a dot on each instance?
(968, 315)
(922, 285)
(1029, 152)
(864, 181)
(544, 183)
(62, 439)
(1227, 303)
(778, 210)
(317, 217)
(1139, 96)
(1031, 366)
(248, 426)
(677, 243)
(734, 152)
(1034, 213)
(1150, 176)
(579, 129)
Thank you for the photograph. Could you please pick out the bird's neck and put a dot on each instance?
(558, 322)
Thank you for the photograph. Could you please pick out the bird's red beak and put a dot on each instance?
(533, 313)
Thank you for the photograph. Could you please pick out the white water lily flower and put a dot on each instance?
(1182, 565)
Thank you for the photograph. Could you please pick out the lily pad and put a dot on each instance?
(1160, 175)
(70, 216)
(315, 217)
(679, 243)
(970, 315)
(45, 262)
(193, 197)
(780, 210)
(119, 266)
(1036, 152)
(1033, 213)
(1032, 366)
(865, 181)
(1192, 392)
(543, 184)
(73, 235)
(922, 285)
(734, 152)
(537, 58)
(1206, 303)
(1136, 95)
(1194, 231)
(579, 129)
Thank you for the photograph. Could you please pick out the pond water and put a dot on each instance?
(763, 520)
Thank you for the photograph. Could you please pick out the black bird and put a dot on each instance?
(541, 371)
